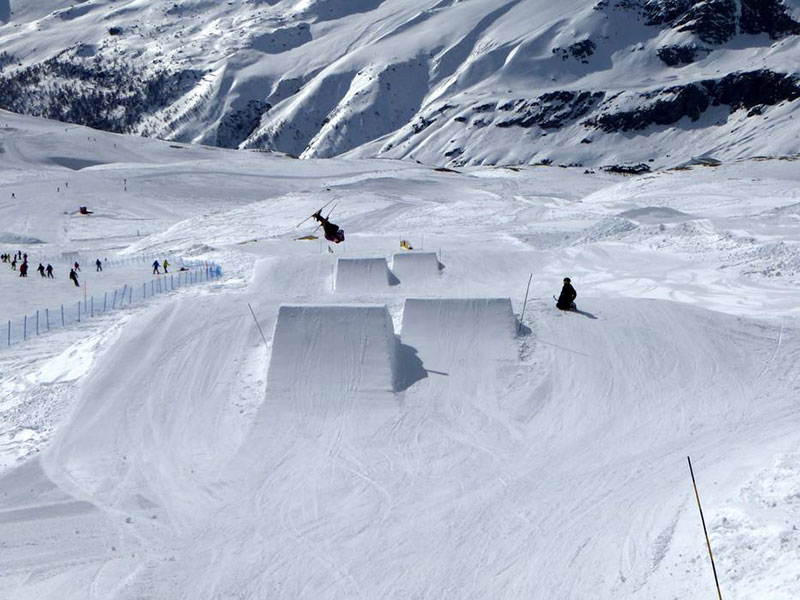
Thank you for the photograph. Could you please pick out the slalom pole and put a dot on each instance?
(252, 312)
(524, 304)
(705, 531)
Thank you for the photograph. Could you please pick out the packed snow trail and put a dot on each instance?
(549, 464)
(484, 480)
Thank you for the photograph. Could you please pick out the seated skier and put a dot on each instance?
(332, 231)
(566, 301)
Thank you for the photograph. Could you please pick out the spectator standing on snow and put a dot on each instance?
(14, 264)
(49, 271)
(566, 300)
(74, 277)
(76, 267)
(40, 268)
(23, 269)
(166, 264)
(156, 267)
(98, 265)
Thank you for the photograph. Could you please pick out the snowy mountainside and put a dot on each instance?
(440, 81)
(163, 450)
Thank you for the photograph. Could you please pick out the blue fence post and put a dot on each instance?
(37, 321)
(144, 290)
(172, 282)
(47, 317)
(114, 300)
(9, 332)
(79, 311)
(92, 313)
(125, 289)
(130, 295)
(25, 328)
(62, 315)
(152, 288)
(105, 300)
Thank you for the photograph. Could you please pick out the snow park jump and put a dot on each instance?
(362, 274)
(446, 331)
(332, 350)
(416, 267)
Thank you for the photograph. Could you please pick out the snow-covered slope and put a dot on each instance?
(594, 82)
(402, 440)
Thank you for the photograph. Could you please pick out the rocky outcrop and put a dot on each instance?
(718, 21)
(549, 111)
(579, 51)
(767, 16)
(675, 55)
(667, 106)
(712, 21)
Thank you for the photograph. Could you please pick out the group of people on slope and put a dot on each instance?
(19, 262)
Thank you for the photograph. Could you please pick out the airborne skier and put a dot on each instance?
(332, 231)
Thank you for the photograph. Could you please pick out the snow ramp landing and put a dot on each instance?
(416, 267)
(331, 351)
(453, 332)
(362, 275)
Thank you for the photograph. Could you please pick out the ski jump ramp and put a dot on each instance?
(362, 275)
(322, 350)
(416, 267)
(448, 332)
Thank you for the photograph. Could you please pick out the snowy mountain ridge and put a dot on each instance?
(440, 81)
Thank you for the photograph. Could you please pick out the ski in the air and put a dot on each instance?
(312, 214)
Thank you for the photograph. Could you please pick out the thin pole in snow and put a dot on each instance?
(37, 322)
(62, 315)
(114, 300)
(47, 317)
(524, 304)
(25, 328)
(252, 312)
(92, 313)
(705, 531)
(9, 332)
(105, 301)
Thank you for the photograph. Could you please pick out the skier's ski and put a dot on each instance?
(312, 214)
(330, 212)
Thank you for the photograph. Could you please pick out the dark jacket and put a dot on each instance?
(567, 297)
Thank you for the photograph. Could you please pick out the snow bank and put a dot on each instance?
(7, 237)
(332, 350)
(413, 267)
(361, 274)
(455, 331)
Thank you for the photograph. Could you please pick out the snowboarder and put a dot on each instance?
(566, 301)
(40, 268)
(165, 264)
(74, 277)
(49, 271)
(332, 231)
(98, 265)
(156, 267)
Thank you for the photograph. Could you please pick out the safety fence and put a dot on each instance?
(85, 260)
(66, 315)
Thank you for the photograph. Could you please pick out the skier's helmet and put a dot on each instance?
(567, 280)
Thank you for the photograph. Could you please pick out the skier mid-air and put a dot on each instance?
(332, 231)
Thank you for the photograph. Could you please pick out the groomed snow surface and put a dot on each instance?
(403, 432)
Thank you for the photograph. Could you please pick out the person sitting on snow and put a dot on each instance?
(566, 301)
(332, 231)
